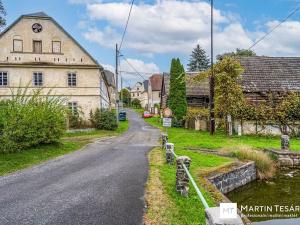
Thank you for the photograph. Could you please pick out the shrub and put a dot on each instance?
(136, 103)
(29, 121)
(264, 164)
(105, 120)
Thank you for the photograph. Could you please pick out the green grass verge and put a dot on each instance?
(73, 141)
(190, 138)
(180, 210)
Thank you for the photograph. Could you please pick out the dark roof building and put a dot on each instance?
(197, 94)
(264, 75)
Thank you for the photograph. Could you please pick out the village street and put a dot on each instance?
(102, 184)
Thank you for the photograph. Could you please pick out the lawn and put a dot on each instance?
(165, 205)
(190, 138)
(71, 142)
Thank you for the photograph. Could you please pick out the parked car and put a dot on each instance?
(147, 114)
(122, 115)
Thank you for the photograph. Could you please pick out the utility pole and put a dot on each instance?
(117, 83)
(212, 77)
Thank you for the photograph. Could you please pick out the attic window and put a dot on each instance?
(56, 47)
(18, 45)
(37, 46)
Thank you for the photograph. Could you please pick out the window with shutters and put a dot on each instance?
(3, 79)
(18, 45)
(37, 46)
(56, 47)
(72, 79)
(37, 79)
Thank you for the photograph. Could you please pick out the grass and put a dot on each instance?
(10, 163)
(165, 205)
(190, 138)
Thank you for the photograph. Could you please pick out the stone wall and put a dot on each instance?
(286, 158)
(235, 178)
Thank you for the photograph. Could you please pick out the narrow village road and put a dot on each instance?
(103, 184)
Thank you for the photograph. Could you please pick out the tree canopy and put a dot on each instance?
(238, 52)
(125, 97)
(2, 15)
(199, 60)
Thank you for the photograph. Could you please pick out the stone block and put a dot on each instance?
(212, 216)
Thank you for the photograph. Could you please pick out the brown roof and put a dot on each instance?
(263, 74)
(192, 88)
(155, 82)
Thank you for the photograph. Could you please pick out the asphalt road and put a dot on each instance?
(103, 184)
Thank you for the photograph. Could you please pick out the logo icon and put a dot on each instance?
(228, 210)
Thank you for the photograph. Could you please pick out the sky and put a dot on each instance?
(163, 29)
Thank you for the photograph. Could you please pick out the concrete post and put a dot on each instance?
(229, 120)
(212, 216)
(285, 143)
(239, 130)
(182, 179)
(164, 139)
(169, 153)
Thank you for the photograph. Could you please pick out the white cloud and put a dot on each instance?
(163, 27)
(130, 77)
(81, 1)
(284, 41)
(173, 26)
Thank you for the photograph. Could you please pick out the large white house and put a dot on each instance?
(36, 52)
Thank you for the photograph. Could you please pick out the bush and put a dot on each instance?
(136, 103)
(30, 121)
(264, 164)
(105, 120)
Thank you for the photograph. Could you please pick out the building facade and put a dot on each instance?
(37, 53)
(140, 92)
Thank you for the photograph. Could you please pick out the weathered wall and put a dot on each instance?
(287, 158)
(235, 178)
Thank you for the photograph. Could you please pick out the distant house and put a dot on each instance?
(154, 90)
(197, 94)
(269, 75)
(140, 92)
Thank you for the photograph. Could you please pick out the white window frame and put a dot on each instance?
(73, 107)
(72, 79)
(2, 73)
(57, 52)
(38, 79)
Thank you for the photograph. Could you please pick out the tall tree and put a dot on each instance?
(2, 15)
(238, 52)
(177, 97)
(125, 97)
(199, 60)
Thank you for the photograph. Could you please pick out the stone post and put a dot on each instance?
(285, 143)
(164, 139)
(212, 216)
(229, 120)
(239, 130)
(182, 179)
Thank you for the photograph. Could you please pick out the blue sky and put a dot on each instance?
(160, 30)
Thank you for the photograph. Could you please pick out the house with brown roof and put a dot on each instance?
(154, 90)
(197, 94)
(263, 76)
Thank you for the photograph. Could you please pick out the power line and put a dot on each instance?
(141, 72)
(126, 25)
(274, 28)
(132, 67)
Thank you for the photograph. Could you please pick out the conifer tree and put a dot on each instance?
(177, 97)
(199, 60)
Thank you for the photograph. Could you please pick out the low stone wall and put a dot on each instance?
(286, 158)
(235, 178)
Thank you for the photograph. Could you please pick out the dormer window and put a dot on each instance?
(56, 47)
(17, 45)
(37, 47)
